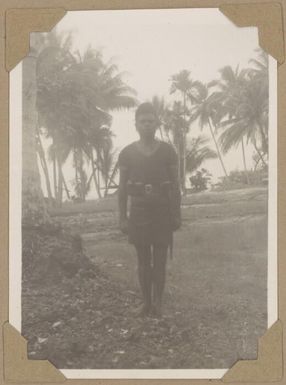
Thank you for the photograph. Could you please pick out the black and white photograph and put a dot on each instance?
(143, 194)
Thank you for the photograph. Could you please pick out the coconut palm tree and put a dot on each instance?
(42, 157)
(259, 74)
(173, 128)
(260, 68)
(57, 155)
(209, 110)
(61, 109)
(198, 151)
(188, 89)
(33, 207)
(230, 85)
(75, 95)
(104, 91)
(160, 107)
(107, 160)
(249, 120)
(244, 95)
(98, 137)
(53, 61)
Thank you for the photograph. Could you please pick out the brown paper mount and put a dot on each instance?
(18, 368)
(267, 368)
(19, 23)
(269, 364)
(270, 33)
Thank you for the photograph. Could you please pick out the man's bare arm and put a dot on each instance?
(176, 196)
(122, 198)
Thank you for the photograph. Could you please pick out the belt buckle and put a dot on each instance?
(148, 189)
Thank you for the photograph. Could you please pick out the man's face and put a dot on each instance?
(146, 125)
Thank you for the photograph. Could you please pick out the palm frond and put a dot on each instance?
(232, 136)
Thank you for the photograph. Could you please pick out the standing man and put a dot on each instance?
(149, 176)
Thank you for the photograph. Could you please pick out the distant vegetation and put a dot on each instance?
(75, 97)
(77, 93)
(233, 108)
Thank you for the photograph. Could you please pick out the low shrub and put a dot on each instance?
(242, 179)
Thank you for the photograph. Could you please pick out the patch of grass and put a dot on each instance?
(91, 206)
(109, 204)
(216, 294)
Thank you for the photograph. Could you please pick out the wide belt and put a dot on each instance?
(141, 189)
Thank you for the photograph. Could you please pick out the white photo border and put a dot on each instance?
(15, 237)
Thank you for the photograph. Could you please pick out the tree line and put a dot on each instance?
(77, 93)
(233, 108)
(75, 97)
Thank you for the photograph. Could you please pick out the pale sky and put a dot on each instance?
(152, 45)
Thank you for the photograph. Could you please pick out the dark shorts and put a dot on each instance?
(150, 225)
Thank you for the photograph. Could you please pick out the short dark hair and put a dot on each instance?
(145, 108)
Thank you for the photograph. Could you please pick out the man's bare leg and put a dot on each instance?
(145, 277)
(159, 277)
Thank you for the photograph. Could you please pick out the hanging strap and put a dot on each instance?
(171, 244)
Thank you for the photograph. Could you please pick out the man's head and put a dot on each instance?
(146, 120)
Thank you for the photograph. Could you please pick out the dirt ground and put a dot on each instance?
(215, 305)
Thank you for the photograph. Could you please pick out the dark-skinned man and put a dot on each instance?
(149, 176)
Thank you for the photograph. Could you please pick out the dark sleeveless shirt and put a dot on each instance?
(149, 219)
(148, 169)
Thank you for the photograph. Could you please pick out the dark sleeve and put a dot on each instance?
(123, 159)
(172, 157)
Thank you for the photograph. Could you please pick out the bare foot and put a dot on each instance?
(156, 311)
(142, 311)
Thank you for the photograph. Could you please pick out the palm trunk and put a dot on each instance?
(244, 161)
(55, 178)
(106, 186)
(106, 170)
(263, 139)
(256, 164)
(89, 181)
(111, 179)
(76, 173)
(259, 153)
(82, 178)
(98, 170)
(217, 147)
(44, 165)
(179, 167)
(98, 178)
(55, 171)
(65, 185)
(33, 207)
(60, 182)
(94, 175)
(105, 175)
(181, 152)
(184, 145)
